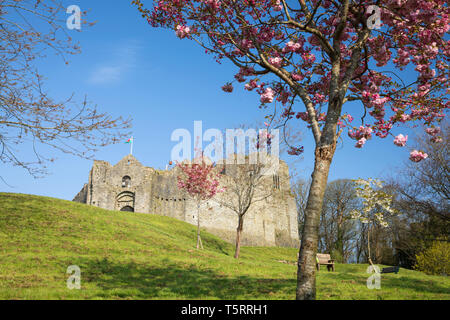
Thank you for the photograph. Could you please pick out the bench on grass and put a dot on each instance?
(390, 270)
(324, 259)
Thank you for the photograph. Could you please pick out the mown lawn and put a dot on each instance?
(140, 256)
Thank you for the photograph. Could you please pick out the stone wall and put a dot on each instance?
(130, 186)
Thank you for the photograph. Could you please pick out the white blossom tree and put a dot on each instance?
(376, 206)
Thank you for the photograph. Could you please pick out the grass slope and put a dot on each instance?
(140, 256)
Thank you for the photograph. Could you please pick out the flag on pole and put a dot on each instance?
(130, 141)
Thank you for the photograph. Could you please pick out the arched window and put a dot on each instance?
(126, 182)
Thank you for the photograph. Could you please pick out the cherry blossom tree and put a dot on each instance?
(201, 182)
(308, 59)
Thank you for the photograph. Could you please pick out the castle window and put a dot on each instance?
(126, 182)
(276, 182)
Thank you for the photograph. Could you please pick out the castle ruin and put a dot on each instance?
(131, 186)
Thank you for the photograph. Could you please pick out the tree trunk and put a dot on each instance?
(306, 273)
(368, 246)
(199, 239)
(340, 236)
(238, 236)
(339, 246)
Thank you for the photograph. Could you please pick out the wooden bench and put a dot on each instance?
(324, 259)
(391, 270)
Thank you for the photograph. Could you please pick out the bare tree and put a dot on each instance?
(300, 189)
(29, 117)
(336, 226)
(247, 184)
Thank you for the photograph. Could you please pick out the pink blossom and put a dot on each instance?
(292, 46)
(297, 77)
(433, 131)
(361, 142)
(228, 87)
(267, 96)
(214, 4)
(417, 156)
(246, 44)
(404, 117)
(303, 115)
(400, 140)
(362, 132)
(276, 62)
(277, 7)
(251, 85)
(436, 139)
(182, 31)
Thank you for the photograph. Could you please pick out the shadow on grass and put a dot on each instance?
(417, 285)
(388, 281)
(147, 282)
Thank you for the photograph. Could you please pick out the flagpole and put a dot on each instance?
(131, 148)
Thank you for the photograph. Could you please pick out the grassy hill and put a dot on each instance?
(126, 255)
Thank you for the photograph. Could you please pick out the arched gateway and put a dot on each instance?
(125, 201)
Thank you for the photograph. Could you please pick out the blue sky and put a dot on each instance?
(128, 68)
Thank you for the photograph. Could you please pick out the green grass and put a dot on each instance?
(140, 256)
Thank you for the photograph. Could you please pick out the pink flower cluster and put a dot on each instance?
(276, 62)
(361, 132)
(304, 116)
(251, 85)
(277, 7)
(360, 143)
(434, 131)
(213, 4)
(182, 31)
(417, 156)
(297, 77)
(267, 96)
(292, 46)
(228, 87)
(244, 72)
(400, 140)
(362, 135)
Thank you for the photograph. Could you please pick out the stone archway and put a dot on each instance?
(125, 201)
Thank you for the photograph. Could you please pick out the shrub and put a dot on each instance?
(435, 259)
(337, 255)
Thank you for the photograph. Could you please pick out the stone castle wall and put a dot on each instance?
(271, 222)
